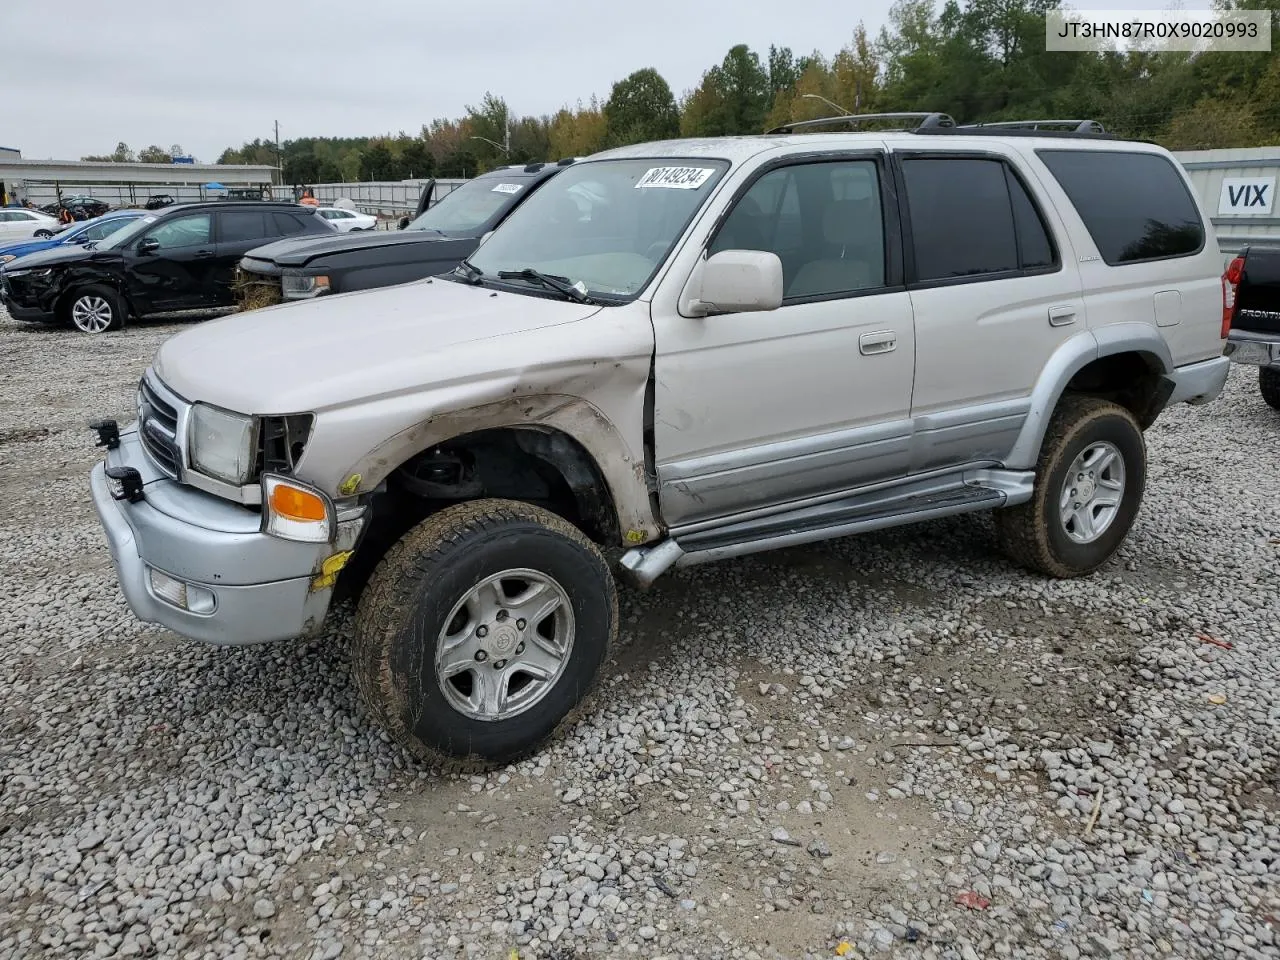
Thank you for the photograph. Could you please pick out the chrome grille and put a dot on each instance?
(158, 428)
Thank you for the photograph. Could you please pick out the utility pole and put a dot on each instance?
(279, 166)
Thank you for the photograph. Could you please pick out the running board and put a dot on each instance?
(857, 513)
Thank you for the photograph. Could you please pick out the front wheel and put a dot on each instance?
(481, 630)
(95, 310)
(1269, 386)
(1089, 483)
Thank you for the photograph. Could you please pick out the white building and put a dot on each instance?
(1239, 187)
(121, 184)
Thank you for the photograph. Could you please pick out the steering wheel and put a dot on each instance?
(655, 250)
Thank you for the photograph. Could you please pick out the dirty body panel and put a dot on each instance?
(466, 359)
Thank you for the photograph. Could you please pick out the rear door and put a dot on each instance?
(1152, 257)
(995, 290)
(239, 231)
(178, 274)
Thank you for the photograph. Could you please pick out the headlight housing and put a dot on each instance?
(6, 257)
(223, 444)
(297, 287)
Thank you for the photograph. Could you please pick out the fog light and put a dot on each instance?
(183, 595)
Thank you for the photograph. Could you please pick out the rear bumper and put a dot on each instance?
(1198, 383)
(1253, 348)
(263, 588)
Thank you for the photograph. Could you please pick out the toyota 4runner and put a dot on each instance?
(689, 350)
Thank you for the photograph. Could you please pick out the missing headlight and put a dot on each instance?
(283, 440)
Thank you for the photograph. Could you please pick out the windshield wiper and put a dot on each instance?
(572, 291)
(470, 272)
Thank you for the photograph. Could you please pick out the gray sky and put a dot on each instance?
(80, 75)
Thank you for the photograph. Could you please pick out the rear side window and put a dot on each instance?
(288, 224)
(241, 225)
(961, 217)
(1035, 249)
(1135, 206)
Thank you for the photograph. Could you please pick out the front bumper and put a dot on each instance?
(27, 300)
(1254, 348)
(264, 588)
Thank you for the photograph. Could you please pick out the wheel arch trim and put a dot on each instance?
(1071, 357)
(607, 453)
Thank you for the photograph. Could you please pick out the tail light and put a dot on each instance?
(1230, 282)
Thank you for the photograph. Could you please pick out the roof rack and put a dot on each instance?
(1071, 126)
(925, 121)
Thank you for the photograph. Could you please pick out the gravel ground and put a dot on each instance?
(895, 742)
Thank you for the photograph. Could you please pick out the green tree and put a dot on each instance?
(154, 154)
(576, 133)
(121, 154)
(488, 125)
(416, 161)
(640, 108)
(733, 98)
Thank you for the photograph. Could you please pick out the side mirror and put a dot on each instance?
(404, 222)
(734, 281)
(149, 245)
(484, 239)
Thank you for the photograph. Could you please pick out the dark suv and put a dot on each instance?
(433, 243)
(183, 258)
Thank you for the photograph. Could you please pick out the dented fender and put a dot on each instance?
(621, 466)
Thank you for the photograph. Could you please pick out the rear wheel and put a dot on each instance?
(481, 630)
(95, 310)
(43, 234)
(1269, 386)
(1089, 483)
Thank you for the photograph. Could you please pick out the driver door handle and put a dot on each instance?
(881, 341)
(203, 254)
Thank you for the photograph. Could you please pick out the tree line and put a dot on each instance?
(977, 60)
(123, 153)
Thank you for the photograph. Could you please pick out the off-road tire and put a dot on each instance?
(401, 612)
(112, 299)
(1269, 386)
(1031, 533)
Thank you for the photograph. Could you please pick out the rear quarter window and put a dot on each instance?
(1136, 206)
(288, 224)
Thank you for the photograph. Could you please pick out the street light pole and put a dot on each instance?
(506, 150)
(505, 146)
(814, 96)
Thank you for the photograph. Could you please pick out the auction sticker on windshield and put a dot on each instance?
(675, 178)
(507, 188)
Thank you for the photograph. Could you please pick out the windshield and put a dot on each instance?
(121, 237)
(608, 224)
(470, 206)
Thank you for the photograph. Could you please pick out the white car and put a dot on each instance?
(17, 223)
(347, 220)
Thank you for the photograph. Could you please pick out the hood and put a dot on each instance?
(19, 246)
(299, 251)
(64, 253)
(335, 350)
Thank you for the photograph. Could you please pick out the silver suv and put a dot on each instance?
(687, 350)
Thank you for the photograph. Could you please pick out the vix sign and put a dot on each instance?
(1247, 195)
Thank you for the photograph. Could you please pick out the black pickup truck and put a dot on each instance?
(1251, 287)
(433, 243)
